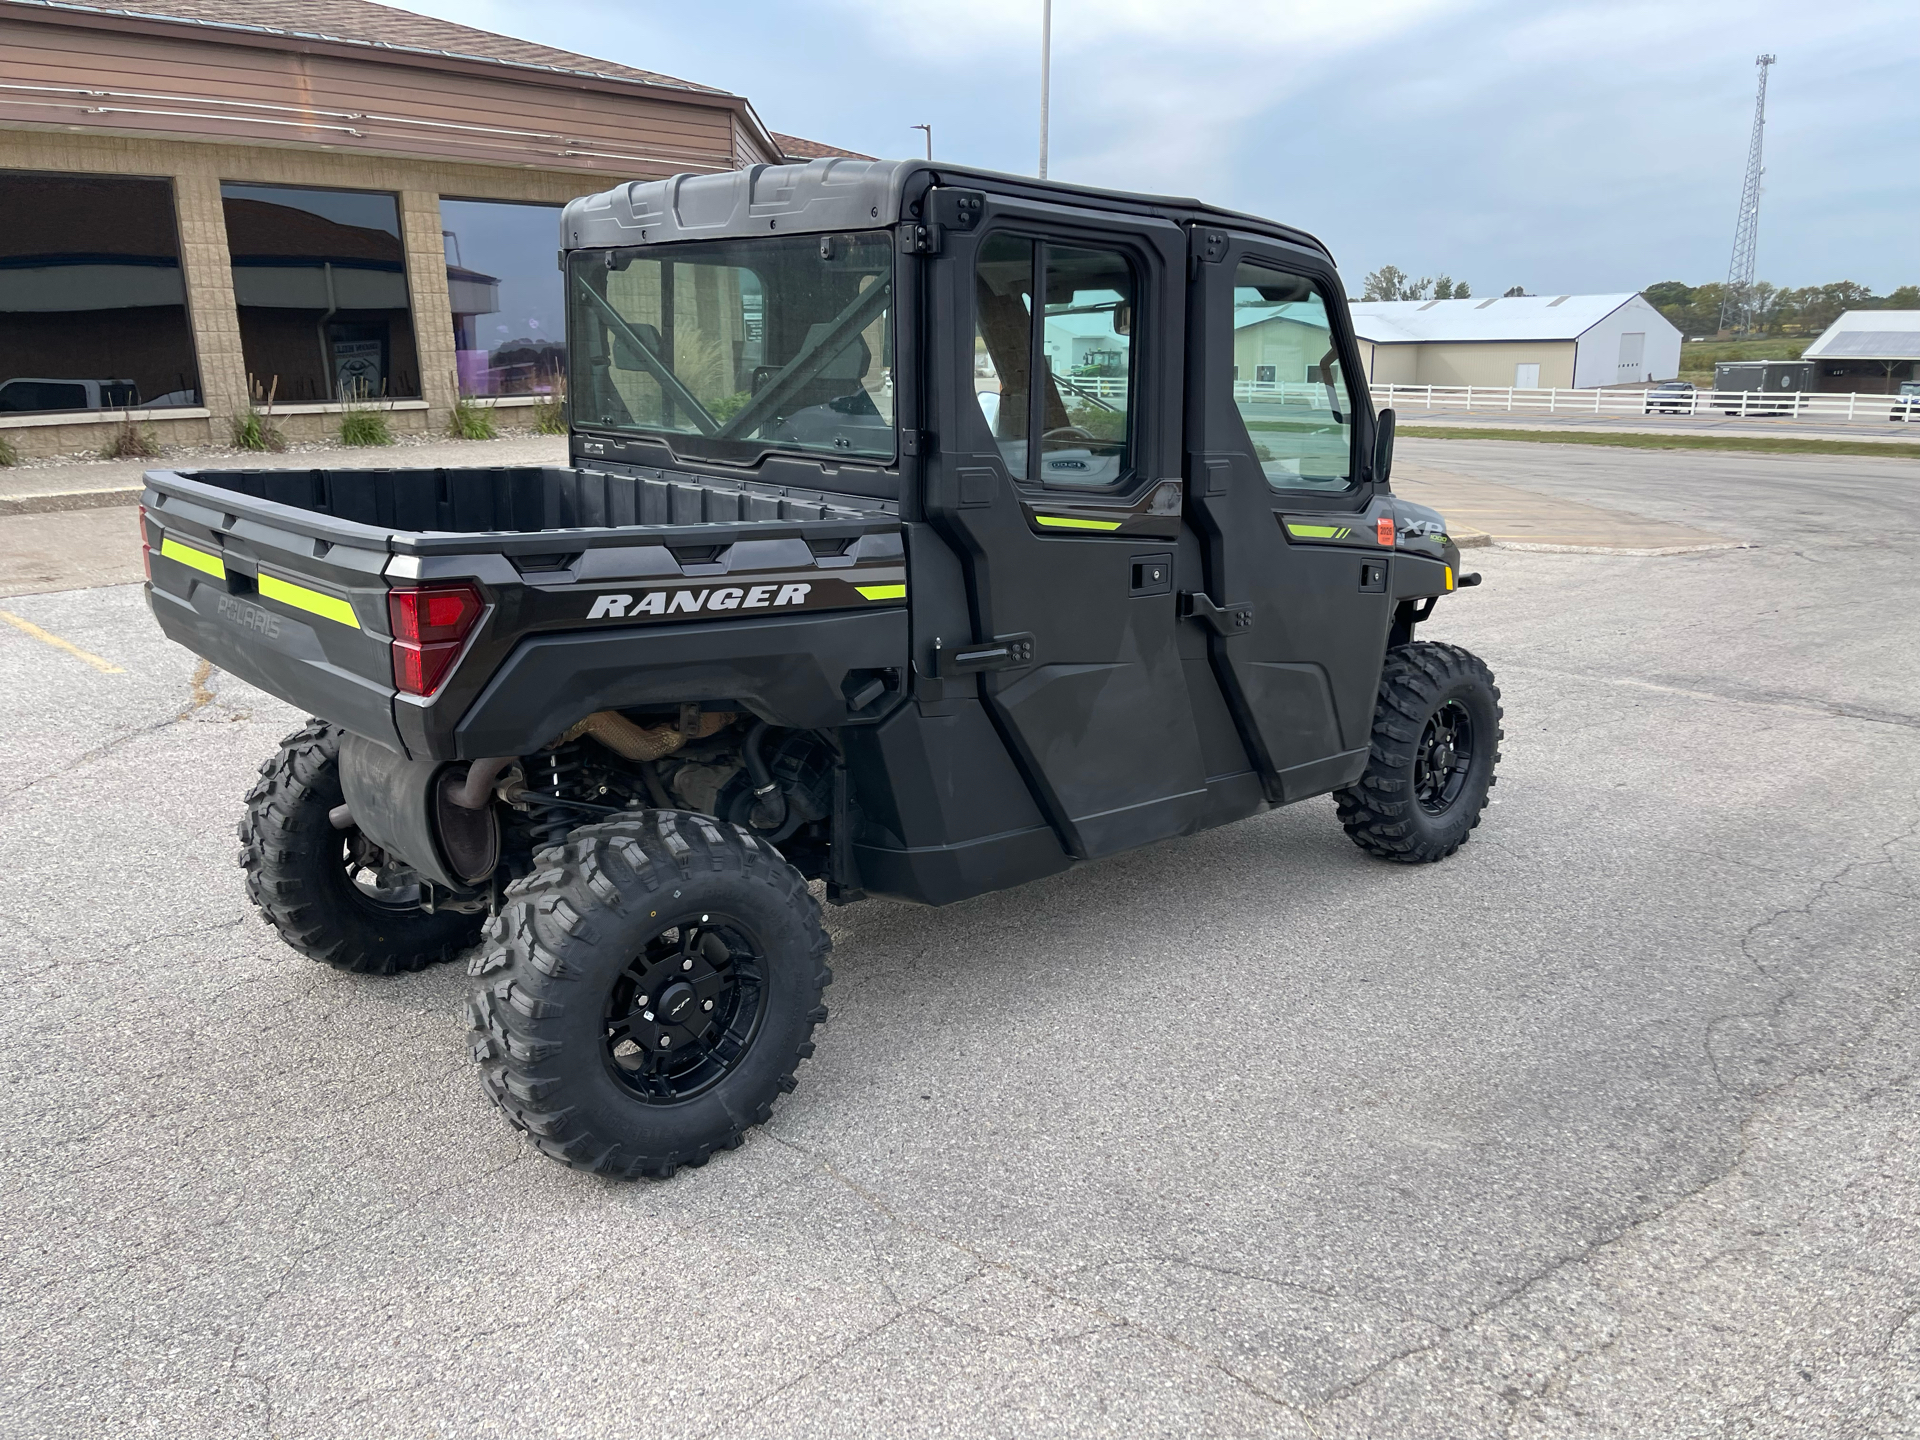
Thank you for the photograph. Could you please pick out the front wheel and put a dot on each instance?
(1436, 743)
(648, 991)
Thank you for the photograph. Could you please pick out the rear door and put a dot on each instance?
(1298, 584)
(1056, 395)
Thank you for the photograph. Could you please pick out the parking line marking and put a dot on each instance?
(105, 667)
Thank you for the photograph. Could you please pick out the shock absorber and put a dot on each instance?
(555, 774)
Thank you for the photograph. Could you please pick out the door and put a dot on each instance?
(1298, 561)
(1526, 377)
(1054, 388)
(1633, 357)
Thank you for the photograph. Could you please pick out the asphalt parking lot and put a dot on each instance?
(1603, 1127)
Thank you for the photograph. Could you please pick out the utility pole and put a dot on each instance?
(929, 130)
(1046, 76)
(1736, 306)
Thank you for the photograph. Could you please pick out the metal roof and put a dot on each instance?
(1869, 335)
(1515, 317)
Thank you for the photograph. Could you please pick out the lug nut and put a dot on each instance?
(665, 1041)
(686, 964)
(706, 1004)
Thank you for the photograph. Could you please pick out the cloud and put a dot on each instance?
(1573, 146)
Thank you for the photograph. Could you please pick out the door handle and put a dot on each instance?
(1003, 652)
(1224, 620)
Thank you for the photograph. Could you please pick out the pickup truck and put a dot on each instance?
(920, 538)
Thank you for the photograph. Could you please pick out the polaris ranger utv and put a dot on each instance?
(926, 532)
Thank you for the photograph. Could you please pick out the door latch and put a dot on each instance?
(1003, 652)
(1227, 620)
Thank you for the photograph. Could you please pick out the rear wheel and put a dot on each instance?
(1436, 743)
(332, 894)
(648, 992)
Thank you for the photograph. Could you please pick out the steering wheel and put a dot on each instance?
(1066, 432)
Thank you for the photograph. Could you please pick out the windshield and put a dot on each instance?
(735, 347)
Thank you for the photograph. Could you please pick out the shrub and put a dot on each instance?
(8, 455)
(472, 422)
(365, 427)
(253, 431)
(550, 417)
(132, 442)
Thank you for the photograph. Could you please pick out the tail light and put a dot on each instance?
(146, 550)
(430, 624)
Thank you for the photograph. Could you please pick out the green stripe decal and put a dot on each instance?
(1068, 522)
(1318, 532)
(198, 559)
(328, 607)
(883, 592)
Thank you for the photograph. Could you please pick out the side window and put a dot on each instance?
(1089, 362)
(1084, 360)
(1003, 343)
(1288, 384)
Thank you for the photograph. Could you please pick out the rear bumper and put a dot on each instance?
(277, 653)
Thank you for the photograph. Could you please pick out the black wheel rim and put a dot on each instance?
(1445, 756)
(374, 879)
(686, 1010)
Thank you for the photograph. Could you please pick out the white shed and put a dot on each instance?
(1526, 341)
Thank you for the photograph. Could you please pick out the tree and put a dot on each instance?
(1384, 283)
(1513, 291)
(1445, 289)
(1907, 297)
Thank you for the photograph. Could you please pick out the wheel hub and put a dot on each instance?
(1444, 757)
(683, 1013)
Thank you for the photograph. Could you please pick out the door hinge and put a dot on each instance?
(1227, 620)
(1003, 652)
(920, 237)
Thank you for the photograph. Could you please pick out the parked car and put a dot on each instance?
(1671, 397)
(1906, 405)
(29, 393)
(607, 720)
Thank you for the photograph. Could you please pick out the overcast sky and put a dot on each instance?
(1570, 147)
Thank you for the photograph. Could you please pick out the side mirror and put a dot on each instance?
(1382, 446)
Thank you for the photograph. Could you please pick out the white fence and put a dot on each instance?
(1756, 404)
(1737, 403)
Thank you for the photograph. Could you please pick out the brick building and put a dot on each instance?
(325, 201)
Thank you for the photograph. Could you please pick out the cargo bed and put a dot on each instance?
(597, 587)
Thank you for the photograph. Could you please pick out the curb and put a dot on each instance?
(70, 500)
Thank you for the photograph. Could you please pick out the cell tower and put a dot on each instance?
(1736, 306)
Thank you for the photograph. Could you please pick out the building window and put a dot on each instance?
(93, 306)
(320, 278)
(509, 305)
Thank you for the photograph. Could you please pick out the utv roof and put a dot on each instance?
(841, 194)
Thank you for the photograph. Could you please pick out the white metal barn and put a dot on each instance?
(1529, 342)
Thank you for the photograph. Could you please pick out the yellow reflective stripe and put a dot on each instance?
(883, 592)
(1068, 522)
(330, 607)
(1449, 570)
(1318, 532)
(198, 559)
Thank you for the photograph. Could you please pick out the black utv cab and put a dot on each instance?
(926, 532)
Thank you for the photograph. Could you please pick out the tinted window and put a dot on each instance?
(93, 307)
(1089, 362)
(1003, 343)
(739, 346)
(1085, 358)
(1288, 385)
(508, 300)
(320, 279)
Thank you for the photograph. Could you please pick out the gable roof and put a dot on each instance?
(364, 23)
(1869, 335)
(792, 147)
(1516, 317)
